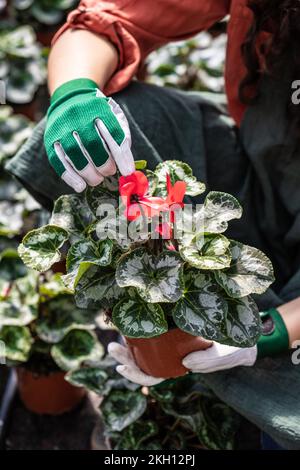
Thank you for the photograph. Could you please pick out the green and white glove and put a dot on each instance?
(87, 135)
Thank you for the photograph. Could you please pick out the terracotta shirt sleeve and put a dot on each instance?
(137, 27)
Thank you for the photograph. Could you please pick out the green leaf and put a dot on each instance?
(243, 323)
(140, 164)
(76, 348)
(98, 288)
(209, 252)
(91, 378)
(17, 341)
(52, 287)
(178, 171)
(219, 208)
(60, 316)
(157, 278)
(136, 434)
(20, 306)
(84, 254)
(250, 272)
(39, 249)
(202, 310)
(137, 319)
(122, 408)
(101, 378)
(99, 195)
(71, 212)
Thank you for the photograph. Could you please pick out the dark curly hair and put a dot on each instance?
(282, 19)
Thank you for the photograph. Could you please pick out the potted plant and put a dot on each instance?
(44, 335)
(180, 414)
(169, 290)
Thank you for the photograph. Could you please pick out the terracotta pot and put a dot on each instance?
(48, 394)
(162, 356)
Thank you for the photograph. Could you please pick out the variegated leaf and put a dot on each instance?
(219, 208)
(17, 341)
(157, 278)
(122, 408)
(52, 287)
(20, 306)
(209, 252)
(178, 171)
(98, 288)
(202, 310)
(91, 378)
(243, 323)
(59, 316)
(40, 248)
(72, 213)
(99, 195)
(137, 319)
(84, 254)
(76, 348)
(250, 272)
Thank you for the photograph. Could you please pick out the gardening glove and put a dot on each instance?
(128, 367)
(274, 340)
(87, 135)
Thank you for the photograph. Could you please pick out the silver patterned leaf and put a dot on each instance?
(59, 316)
(157, 278)
(52, 287)
(84, 254)
(72, 213)
(250, 272)
(18, 342)
(40, 248)
(137, 319)
(91, 378)
(178, 171)
(20, 306)
(208, 252)
(243, 323)
(101, 195)
(202, 310)
(218, 209)
(76, 348)
(122, 408)
(98, 288)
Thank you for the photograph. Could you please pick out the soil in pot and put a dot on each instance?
(47, 394)
(162, 355)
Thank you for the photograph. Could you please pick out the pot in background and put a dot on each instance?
(47, 394)
(162, 355)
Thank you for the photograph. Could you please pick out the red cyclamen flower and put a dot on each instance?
(133, 190)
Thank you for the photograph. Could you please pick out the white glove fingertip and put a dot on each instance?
(135, 375)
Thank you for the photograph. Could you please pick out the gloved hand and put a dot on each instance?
(274, 340)
(217, 357)
(128, 367)
(86, 135)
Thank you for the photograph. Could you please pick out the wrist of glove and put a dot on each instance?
(274, 340)
(87, 135)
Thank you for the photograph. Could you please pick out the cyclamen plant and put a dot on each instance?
(199, 281)
(41, 327)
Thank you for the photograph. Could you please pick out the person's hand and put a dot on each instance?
(128, 367)
(217, 357)
(87, 135)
